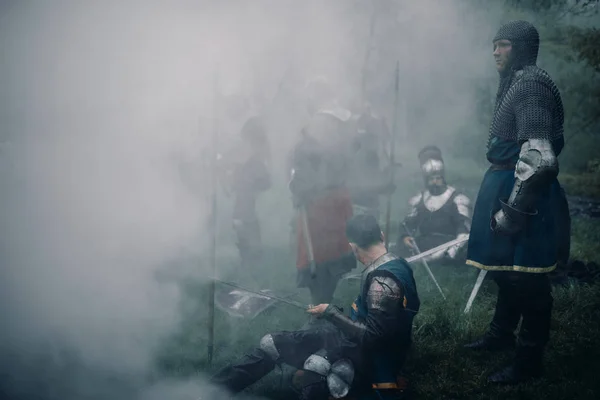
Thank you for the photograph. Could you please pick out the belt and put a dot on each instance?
(502, 167)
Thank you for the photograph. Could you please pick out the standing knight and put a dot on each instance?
(438, 214)
(517, 213)
(246, 174)
(320, 195)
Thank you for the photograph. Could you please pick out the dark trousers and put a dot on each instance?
(527, 296)
(294, 348)
(248, 241)
(328, 274)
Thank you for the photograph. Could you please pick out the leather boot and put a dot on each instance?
(526, 366)
(250, 368)
(492, 343)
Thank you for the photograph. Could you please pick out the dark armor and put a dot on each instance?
(338, 355)
(380, 321)
(438, 219)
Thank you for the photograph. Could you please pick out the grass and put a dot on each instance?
(583, 184)
(439, 368)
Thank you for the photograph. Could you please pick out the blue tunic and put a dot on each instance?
(387, 362)
(534, 249)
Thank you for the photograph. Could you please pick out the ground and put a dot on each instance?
(439, 368)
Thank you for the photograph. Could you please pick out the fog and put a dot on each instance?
(107, 109)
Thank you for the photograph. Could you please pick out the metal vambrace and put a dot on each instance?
(354, 329)
(537, 167)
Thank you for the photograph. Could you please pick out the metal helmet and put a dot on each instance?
(432, 164)
(431, 161)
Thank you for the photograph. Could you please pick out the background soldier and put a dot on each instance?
(438, 214)
(515, 221)
(368, 153)
(247, 174)
(318, 186)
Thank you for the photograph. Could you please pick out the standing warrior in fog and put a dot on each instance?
(247, 173)
(515, 221)
(320, 194)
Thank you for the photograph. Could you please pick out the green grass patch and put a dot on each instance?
(585, 184)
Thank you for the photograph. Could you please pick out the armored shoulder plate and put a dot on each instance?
(384, 293)
(415, 200)
(463, 204)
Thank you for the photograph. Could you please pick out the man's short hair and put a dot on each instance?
(363, 230)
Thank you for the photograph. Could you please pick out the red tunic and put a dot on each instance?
(326, 216)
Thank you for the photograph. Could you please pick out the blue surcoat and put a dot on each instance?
(385, 362)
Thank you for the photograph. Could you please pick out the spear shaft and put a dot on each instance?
(213, 225)
(392, 151)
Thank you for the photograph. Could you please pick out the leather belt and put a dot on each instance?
(502, 167)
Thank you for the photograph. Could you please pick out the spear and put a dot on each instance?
(213, 224)
(394, 129)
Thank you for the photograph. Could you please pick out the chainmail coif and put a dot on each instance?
(528, 103)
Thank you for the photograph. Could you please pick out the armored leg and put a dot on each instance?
(291, 348)
(250, 368)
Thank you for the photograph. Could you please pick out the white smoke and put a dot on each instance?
(107, 109)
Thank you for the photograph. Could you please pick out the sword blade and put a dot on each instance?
(286, 301)
(475, 290)
(425, 264)
(308, 241)
(418, 257)
(443, 246)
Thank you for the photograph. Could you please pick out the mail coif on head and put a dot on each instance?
(525, 41)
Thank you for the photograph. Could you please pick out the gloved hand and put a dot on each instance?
(451, 252)
(409, 242)
(501, 223)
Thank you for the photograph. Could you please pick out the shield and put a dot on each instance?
(242, 304)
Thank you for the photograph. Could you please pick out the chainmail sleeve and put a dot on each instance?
(535, 108)
(385, 306)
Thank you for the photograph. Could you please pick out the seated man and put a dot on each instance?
(360, 356)
(438, 214)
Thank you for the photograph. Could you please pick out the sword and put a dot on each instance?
(426, 253)
(475, 290)
(416, 248)
(262, 294)
(307, 241)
